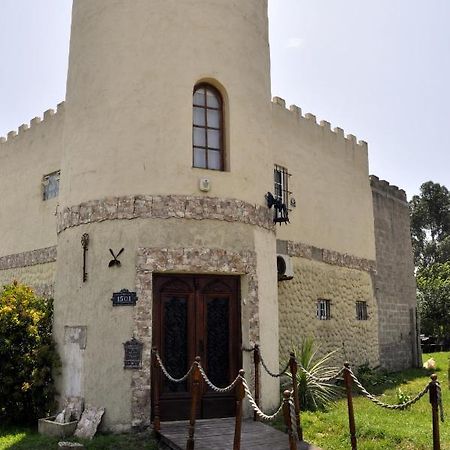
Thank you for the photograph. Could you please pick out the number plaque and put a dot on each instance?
(124, 298)
(133, 354)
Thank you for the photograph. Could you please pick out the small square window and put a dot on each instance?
(361, 311)
(50, 185)
(324, 309)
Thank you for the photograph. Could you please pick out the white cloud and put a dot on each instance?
(295, 42)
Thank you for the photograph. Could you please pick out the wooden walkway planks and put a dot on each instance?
(218, 434)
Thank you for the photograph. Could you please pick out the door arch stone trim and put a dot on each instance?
(182, 260)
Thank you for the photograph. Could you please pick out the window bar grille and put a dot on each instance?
(361, 311)
(324, 309)
(281, 184)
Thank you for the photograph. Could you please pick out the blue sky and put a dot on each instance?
(380, 69)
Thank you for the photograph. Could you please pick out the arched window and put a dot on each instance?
(207, 134)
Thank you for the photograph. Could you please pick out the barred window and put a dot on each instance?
(324, 309)
(361, 311)
(207, 134)
(50, 185)
(281, 184)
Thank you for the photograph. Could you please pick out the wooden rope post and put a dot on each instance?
(287, 420)
(434, 400)
(257, 361)
(240, 395)
(294, 369)
(351, 414)
(155, 388)
(196, 378)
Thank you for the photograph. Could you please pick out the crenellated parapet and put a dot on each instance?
(311, 120)
(384, 187)
(34, 124)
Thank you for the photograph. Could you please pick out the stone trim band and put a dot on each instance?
(165, 207)
(26, 259)
(182, 260)
(298, 249)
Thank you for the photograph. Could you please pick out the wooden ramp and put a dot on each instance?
(218, 434)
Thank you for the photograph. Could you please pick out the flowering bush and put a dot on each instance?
(27, 355)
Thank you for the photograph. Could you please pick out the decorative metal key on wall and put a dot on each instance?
(85, 244)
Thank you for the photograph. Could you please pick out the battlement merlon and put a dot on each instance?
(384, 187)
(34, 123)
(312, 119)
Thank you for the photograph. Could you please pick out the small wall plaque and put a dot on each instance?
(124, 298)
(133, 354)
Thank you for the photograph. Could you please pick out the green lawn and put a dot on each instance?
(381, 429)
(26, 439)
(377, 428)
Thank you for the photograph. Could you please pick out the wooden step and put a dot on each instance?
(218, 434)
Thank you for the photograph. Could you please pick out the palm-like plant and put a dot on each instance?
(315, 394)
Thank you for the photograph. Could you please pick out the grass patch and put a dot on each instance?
(381, 429)
(28, 439)
(377, 428)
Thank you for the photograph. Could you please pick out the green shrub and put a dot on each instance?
(372, 377)
(27, 355)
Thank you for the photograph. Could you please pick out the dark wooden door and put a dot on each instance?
(197, 315)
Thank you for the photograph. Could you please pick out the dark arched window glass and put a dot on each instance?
(207, 134)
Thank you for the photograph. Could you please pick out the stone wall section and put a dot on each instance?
(299, 249)
(165, 207)
(394, 281)
(182, 260)
(35, 268)
(353, 340)
(26, 259)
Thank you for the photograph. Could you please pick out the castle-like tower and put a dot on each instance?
(129, 182)
(143, 211)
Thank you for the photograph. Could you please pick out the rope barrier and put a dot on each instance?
(167, 374)
(255, 407)
(264, 416)
(321, 380)
(273, 375)
(293, 418)
(373, 399)
(213, 386)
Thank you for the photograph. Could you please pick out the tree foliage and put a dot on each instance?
(433, 284)
(430, 224)
(27, 355)
(430, 229)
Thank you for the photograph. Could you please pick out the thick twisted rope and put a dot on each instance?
(255, 407)
(294, 418)
(212, 385)
(272, 374)
(373, 399)
(324, 379)
(167, 374)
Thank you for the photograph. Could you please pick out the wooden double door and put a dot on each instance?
(197, 316)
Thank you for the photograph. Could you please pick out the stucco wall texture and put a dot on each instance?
(26, 222)
(354, 340)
